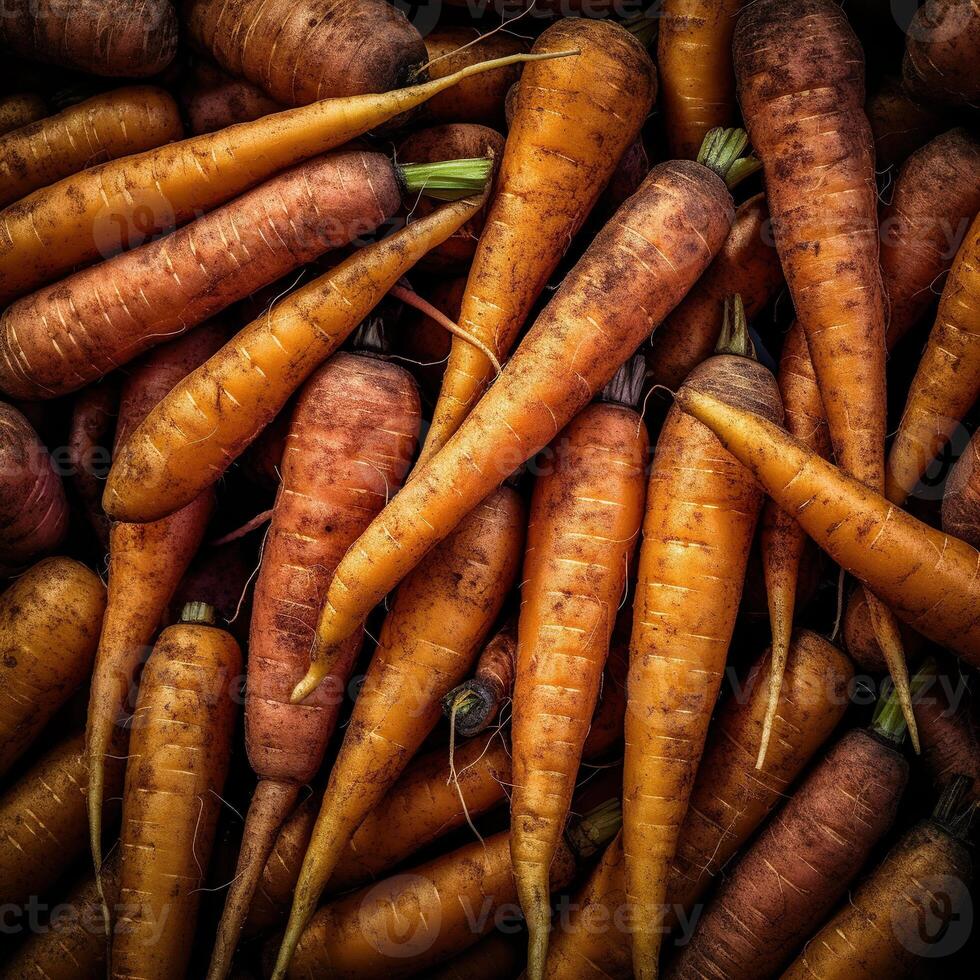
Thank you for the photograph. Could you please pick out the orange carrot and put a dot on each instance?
(440, 615)
(859, 635)
(584, 524)
(694, 56)
(961, 498)
(20, 110)
(351, 440)
(702, 508)
(573, 120)
(93, 213)
(182, 447)
(947, 381)
(748, 265)
(941, 43)
(473, 705)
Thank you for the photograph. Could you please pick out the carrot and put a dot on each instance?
(694, 57)
(630, 277)
(409, 923)
(899, 124)
(826, 231)
(42, 821)
(478, 100)
(181, 448)
(584, 523)
(423, 341)
(606, 730)
(748, 265)
(178, 760)
(20, 110)
(146, 561)
(49, 626)
(104, 37)
(496, 957)
(73, 945)
(859, 635)
(34, 512)
(947, 381)
(105, 127)
(311, 49)
(67, 335)
(880, 930)
(928, 578)
(941, 43)
(782, 540)
(213, 100)
(802, 863)
(93, 214)
(473, 705)
(351, 441)
(961, 497)
(730, 799)
(936, 195)
(440, 615)
(92, 420)
(701, 512)
(950, 724)
(573, 120)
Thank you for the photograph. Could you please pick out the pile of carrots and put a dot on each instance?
(489, 490)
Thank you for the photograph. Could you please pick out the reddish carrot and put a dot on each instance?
(950, 724)
(860, 640)
(961, 497)
(941, 43)
(473, 705)
(213, 100)
(92, 420)
(899, 124)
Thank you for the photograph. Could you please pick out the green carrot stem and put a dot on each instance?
(589, 834)
(722, 151)
(735, 337)
(446, 180)
(889, 719)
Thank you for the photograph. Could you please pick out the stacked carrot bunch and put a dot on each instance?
(437, 540)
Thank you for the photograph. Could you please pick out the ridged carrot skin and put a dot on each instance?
(747, 265)
(33, 508)
(105, 127)
(583, 529)
(573, 121)
(82, 217)
(634, 272)
(178, 759)
(440, 616)
(65, 336)
(146, 563)
(50, 620)
(927, 577)
(947, 381)
(694, 57)
(701, 512)
(205, 423)
(351, 440)
(43, 821)
(935, 197)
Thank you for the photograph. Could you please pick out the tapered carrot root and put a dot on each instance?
(440, 615)
(93, 213)
(179, 751)
(879, 931)
(350, 443)
(33, 508)
(961, 497)
(181, 448)
(927, 577)
(584, 524)
(860, 640)
(93, 418)
(20, 110)
(146, 562)
(65, 336)
(801, 864)
(473, 705)
(636, 270)
(947, 381)
(425, 803)
(935, 197)
(747, 265)
(572, 122)
(104, 37)
(826, 231)
(782, 540)
(702, 507)
(42, 821)
(694, 57)
(940, 53)
(105, 127)
(309, 49)
(49, 627)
